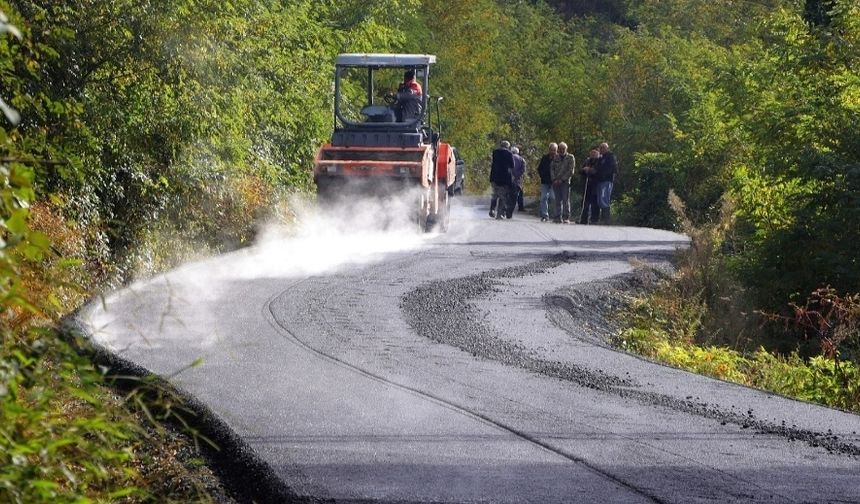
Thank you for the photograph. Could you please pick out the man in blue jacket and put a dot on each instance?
(545, 174)
(501, 179)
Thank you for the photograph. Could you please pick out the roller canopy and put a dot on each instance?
(383, 60)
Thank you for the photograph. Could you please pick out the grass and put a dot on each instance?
(66, 436)
(817, 379)
(699, 320)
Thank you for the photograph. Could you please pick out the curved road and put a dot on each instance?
(368, 366)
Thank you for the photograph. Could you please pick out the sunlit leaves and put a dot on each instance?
(797, 92)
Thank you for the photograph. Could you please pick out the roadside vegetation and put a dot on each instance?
(745, 110)
(141, 134)
(137, 135)
(691, 321)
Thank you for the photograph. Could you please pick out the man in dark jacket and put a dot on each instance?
(545, 174)
(590, 210)
(607, 167)
(501, 180)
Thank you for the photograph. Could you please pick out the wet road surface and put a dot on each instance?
(396, 368)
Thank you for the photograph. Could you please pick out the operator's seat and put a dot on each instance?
(378, 114)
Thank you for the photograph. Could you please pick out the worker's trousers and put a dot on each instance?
(562, 200)
(545, 198)
(502, 199)
(590, 210)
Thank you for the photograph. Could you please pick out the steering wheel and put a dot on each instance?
(390, 98)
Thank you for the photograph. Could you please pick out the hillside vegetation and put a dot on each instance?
(744, 110)
(139, 134)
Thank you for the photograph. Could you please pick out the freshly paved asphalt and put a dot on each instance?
(310, 357)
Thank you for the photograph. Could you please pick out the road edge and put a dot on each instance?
(244, 474)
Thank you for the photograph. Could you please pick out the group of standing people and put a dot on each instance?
(556, 170)
(598, 177)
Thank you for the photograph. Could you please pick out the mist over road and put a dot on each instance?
(385, 366)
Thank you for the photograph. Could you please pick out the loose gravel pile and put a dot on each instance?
(443, 311)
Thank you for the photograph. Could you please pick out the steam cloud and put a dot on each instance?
(185, 302)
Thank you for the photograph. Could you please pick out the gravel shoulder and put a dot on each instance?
(477, 318)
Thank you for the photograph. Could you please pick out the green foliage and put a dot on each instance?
(798, 196)
(726, 22)
(719, 362)
(819, 379)
(58, 441)
(645, 205)
(61, 437)
(167, 114)
(702, 304)
(48, 453)
(659, 327)
(141, 125)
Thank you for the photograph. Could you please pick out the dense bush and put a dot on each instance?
(149, 133)
(645, 204)
(701, 319)
(800, 99)
(664, 326)
(183, 120)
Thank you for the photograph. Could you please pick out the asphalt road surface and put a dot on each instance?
(370, 366)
